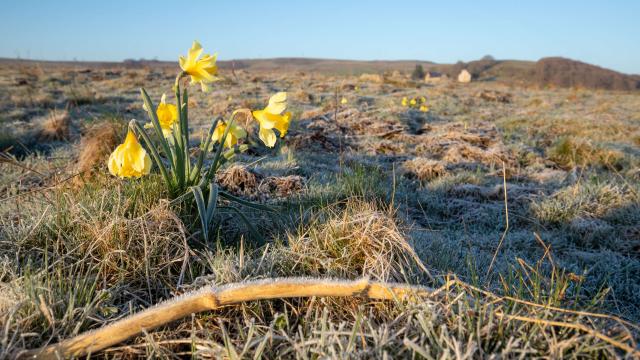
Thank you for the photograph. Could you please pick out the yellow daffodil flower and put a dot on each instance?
(424, 108)
(423, 99)
(167, 116)
(202, 70)
(273, 117)
(129, 159)
(413, 102)
(344, 101)
(236, 132)
(405, 102)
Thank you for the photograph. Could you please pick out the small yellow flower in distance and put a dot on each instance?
(236, 132)
(405, 102)
(357, 88)
(129, 159)
(424, 108)
(167, 116)
(344, 101)
(273, 117)
(423, 99)
(413, 102)
(202, 70)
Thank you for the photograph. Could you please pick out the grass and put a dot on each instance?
(369, 197)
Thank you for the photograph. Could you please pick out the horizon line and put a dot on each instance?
(429, 62)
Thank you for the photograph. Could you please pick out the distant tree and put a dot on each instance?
(488, 58)
(418, 73)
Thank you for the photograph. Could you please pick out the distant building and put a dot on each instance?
(464, 76)
(433, 76)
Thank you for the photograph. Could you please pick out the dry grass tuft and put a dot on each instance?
(97, 144)
(569, 152)
(282, 186)
(56, 127)
(424, 169)
(372, 78)
(238, 180)
(355, 239)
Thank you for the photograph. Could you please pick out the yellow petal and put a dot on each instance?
(277, 103)
(268, 137)
(265, 119)
(283, 124)
(195, 51)
(112, 164)
(218, 132)
(129, 159)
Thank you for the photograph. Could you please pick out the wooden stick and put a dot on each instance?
(211, 298)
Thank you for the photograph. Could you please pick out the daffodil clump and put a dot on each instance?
(166, 137)
(419, 103)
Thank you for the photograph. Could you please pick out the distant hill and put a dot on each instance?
(563, 72)
(551, 71)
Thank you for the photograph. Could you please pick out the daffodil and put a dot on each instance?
(129, 159)
(167, 116)
(413, 102)
(424, 108)
(273, 117)
(405, 102)
(201, 69)
(236, 132)
(344, 101)
(423, 99)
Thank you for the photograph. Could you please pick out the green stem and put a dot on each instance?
(154, 152)
(204, 150)
(216, 158)
(156, 124)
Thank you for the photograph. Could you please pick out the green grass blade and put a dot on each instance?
(213, 201)
(244, 218)
(246, 203)
(202, 210)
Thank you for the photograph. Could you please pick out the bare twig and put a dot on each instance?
(212, 298)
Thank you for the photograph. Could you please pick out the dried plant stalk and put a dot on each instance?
(211, 298)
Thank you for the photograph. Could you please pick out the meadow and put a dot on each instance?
(518, 206)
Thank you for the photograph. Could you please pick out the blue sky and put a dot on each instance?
(606, 33)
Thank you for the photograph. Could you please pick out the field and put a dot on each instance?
(520, 204)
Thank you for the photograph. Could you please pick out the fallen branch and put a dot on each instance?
(211, 298)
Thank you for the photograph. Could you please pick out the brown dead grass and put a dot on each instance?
(354, 239)
(97, 144)
(238, 180)
(56, 127)
(424, 169)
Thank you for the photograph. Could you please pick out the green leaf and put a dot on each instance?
(156, 124)
(204, 151)
(252, 228)
(246, 203)
(153, 151)
(213, 201)
(202, 210)
(216, 158)
(185, 130)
